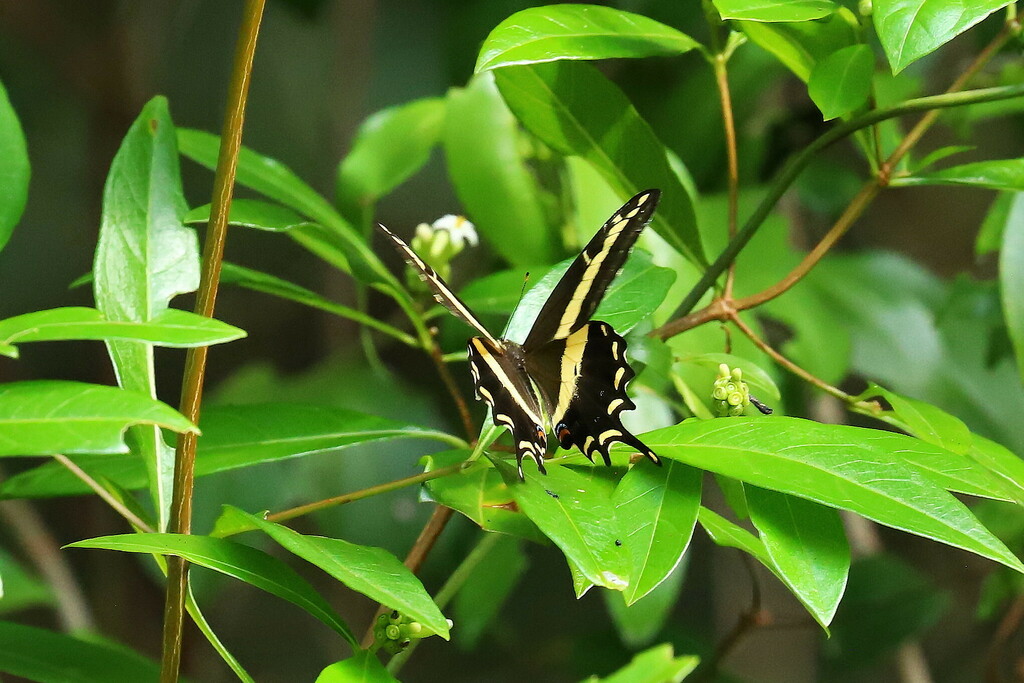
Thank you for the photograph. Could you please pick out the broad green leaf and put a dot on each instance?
(144, 258)
(39, 655)
(479, 493)
(775, 10)
(574, 509)
(552, 32)
(575, 110)
(835, 465)
(253, 213)
(910, 29)
(807, 545)
(362, 667)
(925, 421)
(656, 508)
(997, 174)
(14, 169)
(1011, 276)
(758, 380)
(640, 623)
(841, 83)
(486, 165)
(374, 572)
(730, 535)
(801, 45)
(43, 417)
(389, 147)
(233, 437)
(482, 596)
(238, 561)
(171, 327)
(656, 665)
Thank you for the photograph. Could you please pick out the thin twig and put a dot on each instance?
(1008, 625)
(114, 503)
(195, 360)
(720, 62)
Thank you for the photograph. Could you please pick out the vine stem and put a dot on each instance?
(195, 360)
(114, 503)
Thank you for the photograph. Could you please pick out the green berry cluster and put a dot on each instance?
(393, 632)
(730, 393)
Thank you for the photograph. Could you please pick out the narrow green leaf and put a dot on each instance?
(501, 195)
(656, 665)
(544, 34)
(807, 545)
(238, 561)
(39, 655)
(841, 83)
(775, 10)
(253, 213)
(484, 593)
(925, 421)
(937, 155)
(389, 147)
(44, 417)
(233, 437)
(657, 509)
(997, 174)
(173, 328)
(14, 169)
(1002, 462)
(730, 535)
(802, 45)
(1011, 276)
(576, 512)
(910, 29)
(374, 572)
(204, 626)
(834, 465)
(362, 667)
(575, 110)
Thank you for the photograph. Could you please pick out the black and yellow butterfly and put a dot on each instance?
(571, 372)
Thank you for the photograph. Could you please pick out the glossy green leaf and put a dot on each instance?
(731, 535)
(575, 510)
(233, 437)
(389, 147)
(482, 596)
(486, 165)
(910, 29)
(756, 378)
(238, 561)
(657, 508)
(552, 32)
(640, 623)
(171, 327)
(656, 665)
(44, 417)
(807, 545)
(253, 213)
(801, 45)
(575, 110)
(925, 421)
(841, 83)
(1011, 276)
(39, 655)
(1005, 464)
(998, 174)
(374, 572)
(362, 667)
(839, 466)
(14, 169)
(775, 10)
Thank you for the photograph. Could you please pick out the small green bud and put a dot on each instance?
(393, 632)
(865, 7)
(411, 630)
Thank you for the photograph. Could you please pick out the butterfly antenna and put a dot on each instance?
(526, 280)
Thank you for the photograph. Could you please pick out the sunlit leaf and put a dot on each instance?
(775, 10)
(997, 174)
(253, 213)
(841, 83)
(656, 665)
(362, 667)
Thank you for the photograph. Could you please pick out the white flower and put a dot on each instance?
(460, 230)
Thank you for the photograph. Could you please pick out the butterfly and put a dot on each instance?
(571, 372)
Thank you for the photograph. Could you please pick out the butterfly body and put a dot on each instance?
(570, 374)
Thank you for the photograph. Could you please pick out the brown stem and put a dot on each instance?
(453, 388)
(1008, 625)
(195, 360)
(729, 124)
(114, 503)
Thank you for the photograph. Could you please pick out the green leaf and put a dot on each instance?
(1011, 277)
(759, 380)
(39, 655)
(841, 83)
(998, 174)
(1002, 462)
(575, 510)
(657, 509)
(238, 561)
(640, 623)
(807, 545)
(173, 328)
(501, 195)
(937, 155)
(482, 596)
(656, 665)
(544, 34)
(731, 535)
(44, 417)
(925, 421)
(253, 213)
(575, 110)
(21, 589)
(233, 437)
(910, 29)
(1006, 207)
(839, 466)
(14, 169)
(801, 45)
(389, 147)
(374, 572)
(362, 667)
(775, 10)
